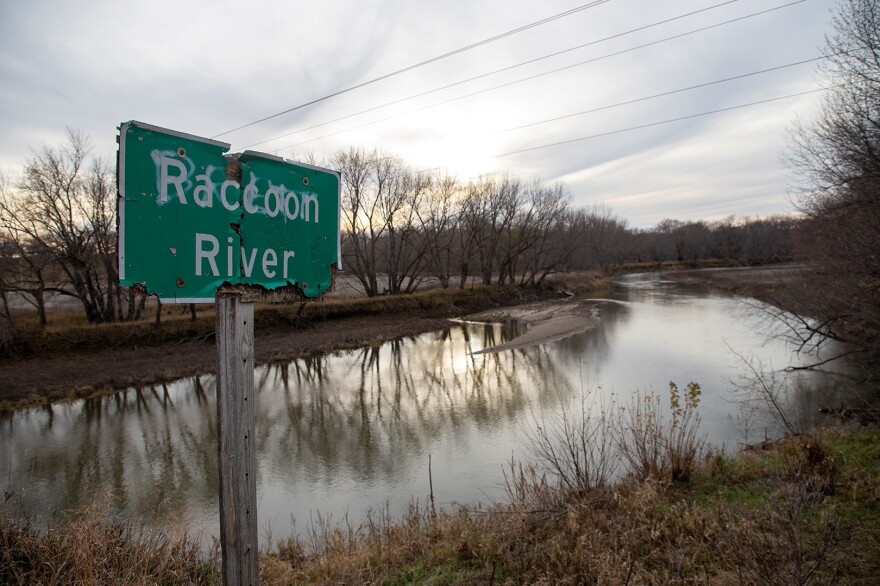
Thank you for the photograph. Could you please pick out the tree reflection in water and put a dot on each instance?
(375, 412)
(331, 430)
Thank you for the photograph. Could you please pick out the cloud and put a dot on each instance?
(206, 67)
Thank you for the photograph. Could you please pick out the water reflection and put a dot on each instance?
(141, 451)
(337, 429)
(351, 430)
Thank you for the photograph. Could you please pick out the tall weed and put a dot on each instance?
(653, 444)
(794, 539)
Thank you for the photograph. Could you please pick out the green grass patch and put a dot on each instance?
(447, 573)
(857, 451)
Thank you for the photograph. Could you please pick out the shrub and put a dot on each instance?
(653, 445)
(575, 447)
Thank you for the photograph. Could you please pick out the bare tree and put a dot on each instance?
(7, 261)
(26, 262)
(837, 157)
(469, 228)
(767, 240)
(26, 269)
(360, 224)
(688, 240)
(400, 194)
(728, 241)
(439, 220)
(491, 210)
(61, 222)
(381, 199)
(603, 237)
(545, 242)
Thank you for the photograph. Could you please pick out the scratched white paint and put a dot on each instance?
(174, 171)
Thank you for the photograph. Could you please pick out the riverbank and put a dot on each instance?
(783, 285)
(799, 510)
(70, 360)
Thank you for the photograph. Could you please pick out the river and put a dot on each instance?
(351, 431)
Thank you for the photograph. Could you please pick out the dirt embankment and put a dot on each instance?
(81, 374)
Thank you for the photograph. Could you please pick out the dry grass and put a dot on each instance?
(581, 281)
(799, 513)
(768, 519)
(91, 548)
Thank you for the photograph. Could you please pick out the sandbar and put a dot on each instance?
(547, 321)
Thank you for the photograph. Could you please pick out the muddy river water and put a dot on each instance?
(352, 431)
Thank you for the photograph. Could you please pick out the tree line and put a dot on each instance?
(400, 229)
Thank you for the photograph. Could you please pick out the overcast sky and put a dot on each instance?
(208, 67)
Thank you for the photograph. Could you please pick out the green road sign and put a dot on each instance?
(193, 219)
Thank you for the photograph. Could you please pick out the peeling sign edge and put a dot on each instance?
(121, 198)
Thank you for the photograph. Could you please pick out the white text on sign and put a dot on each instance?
(173, 176)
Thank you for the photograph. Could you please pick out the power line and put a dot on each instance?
(663, 94)
(423, 63)
(511, 67)
(669, 121)
(535, 76)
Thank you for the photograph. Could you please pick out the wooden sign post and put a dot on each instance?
(236, 438)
